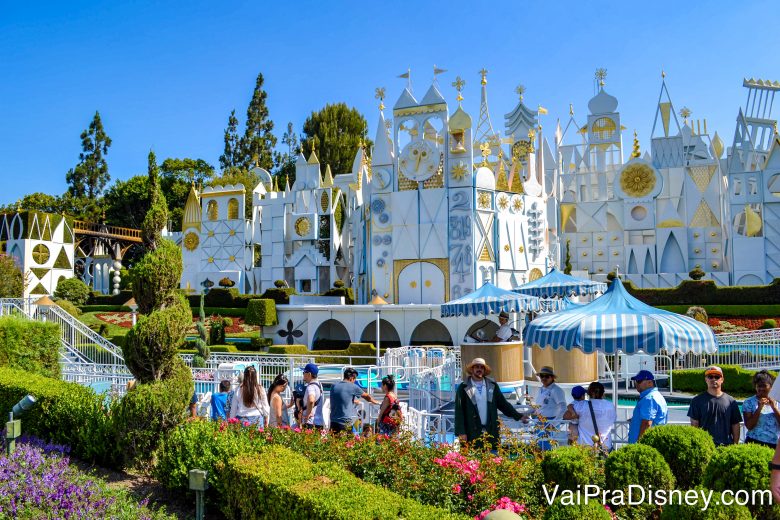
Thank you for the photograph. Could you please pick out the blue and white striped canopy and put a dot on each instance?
(489, 299)
(558, 284)
(619, 322)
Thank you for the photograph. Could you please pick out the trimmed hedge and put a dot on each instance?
(573, 466)
(65, 413)
(280, 296)
(97, 298)
(729, 310)
(32, 346)
(213, 348)
(735, 380)
(257, 344)
(706, 292)
(73, 290)
(592, 510)
(346, 292)
(68, 307)
(261, 312)
(326, 356)
(697, 511)
(222, 298)
(280, 484)
(230, 312)
(687, 451)
(104, 308)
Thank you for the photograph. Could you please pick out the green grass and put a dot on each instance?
(92, 321)
(729, 310)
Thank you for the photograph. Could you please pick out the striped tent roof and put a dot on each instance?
(619, 322)
(558, 284)
(489, 299)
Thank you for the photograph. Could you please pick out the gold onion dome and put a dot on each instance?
(460, 120)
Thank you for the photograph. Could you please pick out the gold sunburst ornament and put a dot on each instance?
(191, 241)
(517, 204)
(302, 226)
(503, 203)
(637, 180)
(458, 171)
(483, 199)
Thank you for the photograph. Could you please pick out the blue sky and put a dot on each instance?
(166, 75)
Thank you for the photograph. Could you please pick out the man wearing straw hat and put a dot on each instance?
(477, 402)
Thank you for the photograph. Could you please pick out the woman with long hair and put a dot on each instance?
(389, 419)
(250, 403)
(279, 415)
(761, 412)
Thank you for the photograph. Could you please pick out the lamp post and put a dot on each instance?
(133, 308)
(13, 428)
(44, 303)
(199, 483)
(377, 301)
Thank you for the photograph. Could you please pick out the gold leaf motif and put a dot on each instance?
(458, 171)
(503, 202)
(517, 205)
(483, 200)
(191, 241)
(637, 180)
(211, 260)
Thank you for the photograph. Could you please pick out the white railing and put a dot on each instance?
(115, 377)
(431, 388)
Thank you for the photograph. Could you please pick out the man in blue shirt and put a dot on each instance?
(342, 399)
(650, 410)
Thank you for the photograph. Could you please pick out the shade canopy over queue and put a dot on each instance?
(490, 299)
(556, 284)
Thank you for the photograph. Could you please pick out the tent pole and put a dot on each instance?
(615, 381)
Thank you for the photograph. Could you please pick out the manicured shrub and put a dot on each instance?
(150, 346)
(637, 464)
(279, 284)
(291, 350)
(148, 411)
(96, 298)
(769, 324)
(65, 413)
(338, 284)
(706, 292)
(346, 292)
(261, 312)
(68, 307)
(687, 451)
(280, 484)
(258, 343)
(713, 511)
(356, 350)
(697, 273)
(156, 275)
(221, 297)
(73, 290)
(32, 346)
(12, 280)
(698, 314)
(279, 295)
(592, 510)
(103, 308)
(572, 466)
(736, 379)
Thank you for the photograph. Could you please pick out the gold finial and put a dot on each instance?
(380, 95)
(774, 125)
(459, 84)
(520, 90)
(531, 134)
(663, 74)
(485, 148)
(256, 159)
(388, 124)
(313, 143)
(483, 73)
(601, 75)
(636, 153)
(571, 109)
(685, 113)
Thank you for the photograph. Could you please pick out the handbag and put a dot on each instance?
(596, 438)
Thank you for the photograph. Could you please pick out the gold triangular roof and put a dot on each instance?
(192, 211)
(328, 181)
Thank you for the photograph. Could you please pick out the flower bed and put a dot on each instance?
(37, 481)
(724, 324)
(125, 320)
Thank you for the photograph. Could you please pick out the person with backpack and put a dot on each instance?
(313, 399)
(390, 416)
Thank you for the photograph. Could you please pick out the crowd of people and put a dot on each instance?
(250, 403)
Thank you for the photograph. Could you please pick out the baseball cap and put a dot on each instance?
(713, 370)
(643, 375)
(577, 392)
(311, 368)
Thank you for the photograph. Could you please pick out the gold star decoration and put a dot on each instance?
(458, 171)
(520, 90)
(520, 249)
(601, 75)
(685, 113)
(517, 205)
(483, 200)
(380, 95)
(503, 202)
(412, 284)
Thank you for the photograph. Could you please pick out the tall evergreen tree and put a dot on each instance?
(90, 175)
(231, 154)
(157, 216)
(336, 131)
(258, 142)
(285, 162)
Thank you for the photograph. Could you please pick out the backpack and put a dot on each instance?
(300, 406)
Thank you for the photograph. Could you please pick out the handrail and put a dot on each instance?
(92, 228)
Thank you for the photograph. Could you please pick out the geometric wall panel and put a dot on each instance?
(704, 217)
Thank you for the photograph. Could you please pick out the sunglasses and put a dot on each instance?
(545, 376)
(713, 376)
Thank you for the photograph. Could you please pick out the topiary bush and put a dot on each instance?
(637, 464)
(261, 312)
(148, 411)
(156, 276)
(12, 280)
(258, 343)
(32, 346)
(150, 346)
(769, 324)
(279, 295)
(73, 290)
(157, 215)
(698, 314)
(572, 466)
(687, 451)
(68, 307)
(696, 274)
(736, 379)
(742, 466)
(699, 510)
(592, 510)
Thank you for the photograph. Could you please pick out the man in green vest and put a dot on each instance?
(477, 402)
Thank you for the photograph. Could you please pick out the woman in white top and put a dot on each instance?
(279, 415)
(250, 403)
(603, 414)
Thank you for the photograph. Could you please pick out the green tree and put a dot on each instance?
(176, 177)
(157, 216)
(12, 281)
(90, 175)
(231, 154)
(336, 131)
(73, 290)
(126, 202)
(239, 175)
(285, 161)
(39, 201)
(567, 262)
(258, 142)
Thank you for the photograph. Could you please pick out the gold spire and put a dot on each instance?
(520, 90)
(328, 182)
(192, 211)
(276, 183)
(380, 95)
(483, 73)
(636, 153)
(571, 109)
(459, 84)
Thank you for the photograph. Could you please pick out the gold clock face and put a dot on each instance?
(419, 161)
(302, 226)
(191, 241)
(637, 180)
